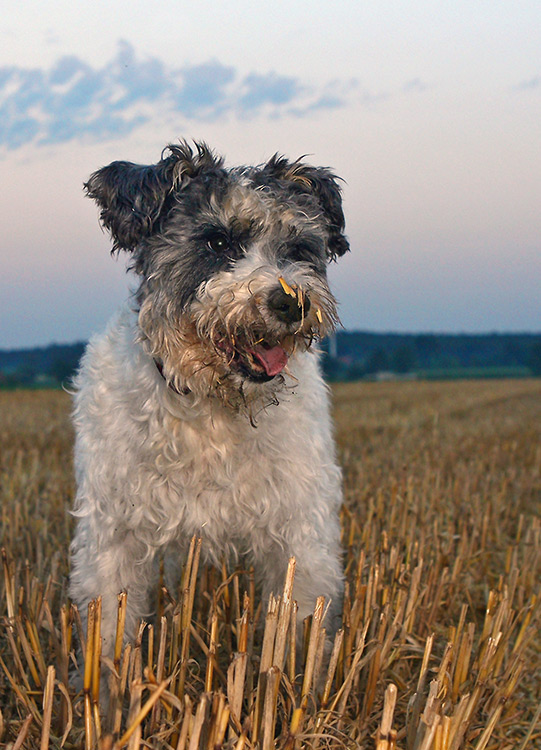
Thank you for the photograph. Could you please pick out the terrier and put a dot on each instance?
(202, 410)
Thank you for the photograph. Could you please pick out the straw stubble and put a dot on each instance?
(439, 637)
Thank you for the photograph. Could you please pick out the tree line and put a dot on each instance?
(349, 355)
(358, 354)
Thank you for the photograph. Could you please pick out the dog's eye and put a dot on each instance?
(218, 243)
(306, 252)
(301, 251)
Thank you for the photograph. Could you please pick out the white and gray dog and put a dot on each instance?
(202, 410)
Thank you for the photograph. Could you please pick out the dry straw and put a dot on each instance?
(439, 646)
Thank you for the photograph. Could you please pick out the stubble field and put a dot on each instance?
(440, 643)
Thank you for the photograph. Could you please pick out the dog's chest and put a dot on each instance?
(218, 474)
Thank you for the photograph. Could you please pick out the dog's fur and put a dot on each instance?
(202, 410)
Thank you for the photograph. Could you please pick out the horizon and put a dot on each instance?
(479, 334)
(430, 117)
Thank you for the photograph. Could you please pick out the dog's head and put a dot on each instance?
(231, 263)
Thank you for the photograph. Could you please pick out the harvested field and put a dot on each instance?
(440, 646)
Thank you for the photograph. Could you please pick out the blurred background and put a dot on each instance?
(430, 112)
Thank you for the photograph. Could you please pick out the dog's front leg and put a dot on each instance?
(106, 569)
(318, 572)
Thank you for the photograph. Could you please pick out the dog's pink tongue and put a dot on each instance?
(273, 360)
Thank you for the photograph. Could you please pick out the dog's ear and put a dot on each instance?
(323, 184)
(133, 197)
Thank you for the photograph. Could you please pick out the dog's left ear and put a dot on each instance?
(134, 197)
(131, 198)
(322, 183)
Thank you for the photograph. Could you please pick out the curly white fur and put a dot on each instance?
(202, 410)
(154, 467)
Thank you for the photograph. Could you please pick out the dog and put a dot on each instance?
(202, 410)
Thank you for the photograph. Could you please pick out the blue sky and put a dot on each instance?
(431, 112)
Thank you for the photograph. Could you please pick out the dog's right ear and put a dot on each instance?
(324, 185)
(133, 197)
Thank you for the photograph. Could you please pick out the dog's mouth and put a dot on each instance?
(259, 362)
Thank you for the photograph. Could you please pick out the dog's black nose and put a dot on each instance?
(287, 308)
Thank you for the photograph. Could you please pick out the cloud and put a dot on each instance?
(73, 100)
(528, 85)
(260, 90)
(205, 90)
(414, 86)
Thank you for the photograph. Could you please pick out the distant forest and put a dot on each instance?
(352, 355)
(349, 355)
(42, 366)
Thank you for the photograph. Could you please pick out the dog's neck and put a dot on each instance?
(183, 392)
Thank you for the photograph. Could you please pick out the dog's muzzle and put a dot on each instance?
(288, 309)
(267, 359)
(267, 356)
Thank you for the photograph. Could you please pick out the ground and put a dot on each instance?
(439, 649)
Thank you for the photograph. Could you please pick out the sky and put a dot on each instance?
(430, 112)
